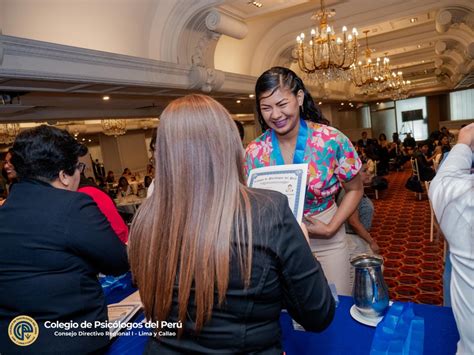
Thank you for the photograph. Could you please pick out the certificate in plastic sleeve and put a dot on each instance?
(289, 179)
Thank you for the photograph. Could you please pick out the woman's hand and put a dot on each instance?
(466, 136)
(318, 229)
(374, 246)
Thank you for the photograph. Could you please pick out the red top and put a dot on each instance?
(107, 207)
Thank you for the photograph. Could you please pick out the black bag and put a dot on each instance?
(413, 184)
(379, 183)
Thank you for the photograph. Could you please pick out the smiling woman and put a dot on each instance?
(296, 132)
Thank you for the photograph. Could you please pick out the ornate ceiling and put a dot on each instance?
(59, 58)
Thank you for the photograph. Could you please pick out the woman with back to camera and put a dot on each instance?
(53, 243)
(296, 132)
(220, 257)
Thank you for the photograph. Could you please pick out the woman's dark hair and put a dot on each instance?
(280, 77)
(147, 181)
(122, 181)
(153, 140)
(241, 129)
(382, 135)
(43, 151)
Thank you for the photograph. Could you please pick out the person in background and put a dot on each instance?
(124, 188)
(147, 181)
(3, 185)
(409, 144)
(53, 243)
(359, 223)
(241, 129)
(106, 206)
(364, 140)
(382, 152)
(110, 179)
(150, 170)
(296, 132)
(237, 255)
(426, 171)
(128, 175)
(9, 175)
(445, 132)
(451, 193)
(151, 187)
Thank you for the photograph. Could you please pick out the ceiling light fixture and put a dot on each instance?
(255, 3)
(398, 87)
(326, 57)
(114, 127)
(413, 19)
(238, 101)
(251, 96)
(370, 76)
(8, 132)
(105, 98)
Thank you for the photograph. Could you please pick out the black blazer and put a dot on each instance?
(285, 274)
(53, 243)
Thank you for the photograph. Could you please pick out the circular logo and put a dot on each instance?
(23, 330)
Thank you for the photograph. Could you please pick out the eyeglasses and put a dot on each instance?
(81, 167)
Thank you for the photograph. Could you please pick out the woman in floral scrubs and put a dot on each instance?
(295, 132)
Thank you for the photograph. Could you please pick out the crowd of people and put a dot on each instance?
(208, 251)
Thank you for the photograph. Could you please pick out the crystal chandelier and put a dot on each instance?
(397, 87)
(326, 57)
(114, 127)
(371, 77)
(8, 132)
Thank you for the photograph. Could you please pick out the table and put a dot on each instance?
(129, 204)
(343, 336)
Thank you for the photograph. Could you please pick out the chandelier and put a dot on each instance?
(114, 127)
(371, 77)
(8, 132)
(397, 87)
(326, 57)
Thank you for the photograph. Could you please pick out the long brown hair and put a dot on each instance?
(198, 215)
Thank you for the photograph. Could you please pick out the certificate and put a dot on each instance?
(288, 179)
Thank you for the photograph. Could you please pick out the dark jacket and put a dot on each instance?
(285, 274)
(53, 243)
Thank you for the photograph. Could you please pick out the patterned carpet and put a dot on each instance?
(413, 266)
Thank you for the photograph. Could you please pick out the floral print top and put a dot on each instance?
(331, 157)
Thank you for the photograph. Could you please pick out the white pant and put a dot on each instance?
(333, 254)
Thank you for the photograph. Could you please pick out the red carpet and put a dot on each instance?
(413, 266)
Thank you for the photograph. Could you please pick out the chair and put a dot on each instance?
(416, 173)
(369, 185)
(433, 218)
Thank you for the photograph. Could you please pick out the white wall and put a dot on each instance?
(462, 105)
(118, 26)
(418, 129)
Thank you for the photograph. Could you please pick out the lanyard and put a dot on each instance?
(298, 157)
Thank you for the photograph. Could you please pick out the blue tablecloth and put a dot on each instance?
(343, 336)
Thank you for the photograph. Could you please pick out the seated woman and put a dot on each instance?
(124, 188)
(54, 242)
(110, 179)
(221, 258)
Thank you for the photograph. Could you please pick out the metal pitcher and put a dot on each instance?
(370, 291)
